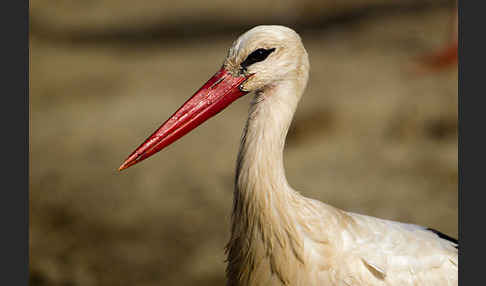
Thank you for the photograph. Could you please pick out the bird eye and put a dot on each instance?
(256, 56)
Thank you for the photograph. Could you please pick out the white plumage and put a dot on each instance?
(282, 238)
(279, 237)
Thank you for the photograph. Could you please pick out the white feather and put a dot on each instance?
(282, 238)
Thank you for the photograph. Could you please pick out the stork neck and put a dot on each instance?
(262, 193)
(260, 167)
(263, 221)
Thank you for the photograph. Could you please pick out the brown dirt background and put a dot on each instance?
(370, 135)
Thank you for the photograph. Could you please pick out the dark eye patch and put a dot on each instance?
(256, 56)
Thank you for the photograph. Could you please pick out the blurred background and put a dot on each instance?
(375, 133)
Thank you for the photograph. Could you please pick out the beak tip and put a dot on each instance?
(127, 164)
(122, 167)
(131, 160)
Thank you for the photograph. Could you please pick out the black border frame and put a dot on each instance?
(470, 142)
(14, 207)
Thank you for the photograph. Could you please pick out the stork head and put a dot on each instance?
(268, 54)
(258, 59)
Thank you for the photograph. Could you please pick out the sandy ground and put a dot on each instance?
(370, 136)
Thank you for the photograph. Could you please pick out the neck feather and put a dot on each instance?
(263, 222)
(260, 159)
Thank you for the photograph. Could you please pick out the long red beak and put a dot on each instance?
(215, 95)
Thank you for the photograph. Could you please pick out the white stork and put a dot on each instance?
(278, 236)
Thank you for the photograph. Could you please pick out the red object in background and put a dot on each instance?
(445, 56)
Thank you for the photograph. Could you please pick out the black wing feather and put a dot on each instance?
(444, 236)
